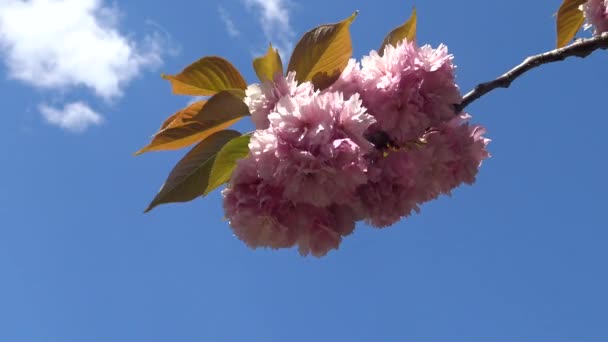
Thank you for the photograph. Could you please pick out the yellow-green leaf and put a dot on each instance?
(207, 76)
(198, 121)
(405, 31)
(267, 66)
(225, 161)
(570, 18)
(189, 179)
(322, 53)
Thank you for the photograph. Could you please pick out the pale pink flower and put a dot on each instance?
(262, 98)
(263, 149)
(596, 13)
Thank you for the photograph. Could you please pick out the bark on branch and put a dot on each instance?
(580, 48)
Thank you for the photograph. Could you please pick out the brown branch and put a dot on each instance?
(580, 48)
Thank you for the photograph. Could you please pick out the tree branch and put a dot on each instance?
(580, 48)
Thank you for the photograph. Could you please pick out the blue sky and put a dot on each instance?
(519, 256)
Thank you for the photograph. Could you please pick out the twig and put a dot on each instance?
(580, 48)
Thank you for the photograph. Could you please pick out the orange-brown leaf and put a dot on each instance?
(183, 115)
(322, 53)
(189, 179)
(403, 32)
(570, 18)
(207, 76)
(198, 121)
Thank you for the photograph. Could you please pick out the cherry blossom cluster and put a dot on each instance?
(596, 13)
(382, 140)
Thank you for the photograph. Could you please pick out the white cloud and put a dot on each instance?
(275, 23)
(66, 43)
(233, 31)
(75, 117)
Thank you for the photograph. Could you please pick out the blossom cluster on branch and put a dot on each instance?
(383, 139)
(336, 140)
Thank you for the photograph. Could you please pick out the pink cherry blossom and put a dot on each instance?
(375, 146)
(444, 158)
(596, 13)
(349, 82)
(322, 229)
(393, 187)
(262, 98)
(262, 217)
(257, 212)
(318, 148)
(408, 89)
(457, 151)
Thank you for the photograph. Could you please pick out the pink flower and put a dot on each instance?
(318, 147)
(457, 151)
(375, 146)
(261, 216)
(262, 99)
(298, 186)
(408, 89)
(263, 148)
(400, 181)
(322, 229)
(392, 191)
(596, 12)
(349, 82)
(257, 212)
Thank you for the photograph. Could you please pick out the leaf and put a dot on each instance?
(570, 18)
(189, 178)
(403, 32)
(267, 66)
(225, 161)
(183, 115)
(206, 77)
(322, 53)
(198, 121)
